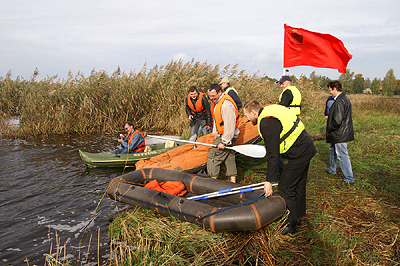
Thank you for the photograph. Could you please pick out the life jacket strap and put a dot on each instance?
(296, 123)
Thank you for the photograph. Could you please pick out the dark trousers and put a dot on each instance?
(292, 187)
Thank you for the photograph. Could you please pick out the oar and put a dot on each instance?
(229, 191)
(251, 150)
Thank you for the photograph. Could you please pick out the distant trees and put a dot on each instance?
(376, 86)
(358, 84)
(397, 90)
(389, 83)
(368, 83)
(347, 80)
(319, 81)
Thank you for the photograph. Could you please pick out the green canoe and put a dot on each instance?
(108, 159)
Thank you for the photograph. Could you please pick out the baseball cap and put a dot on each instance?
(284, 78)
(223, 80)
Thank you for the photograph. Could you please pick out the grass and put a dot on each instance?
(345, 225)
(141, 237)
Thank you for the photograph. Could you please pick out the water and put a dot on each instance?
(46, 190)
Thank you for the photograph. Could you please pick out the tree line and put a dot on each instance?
(356, 83)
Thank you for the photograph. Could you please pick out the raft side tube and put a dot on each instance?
(194, 184)
(165, 204)
(242, 213)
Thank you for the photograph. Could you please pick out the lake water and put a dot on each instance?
(48, 194)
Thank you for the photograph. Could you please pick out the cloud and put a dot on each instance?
(181, 56)
(82, 35)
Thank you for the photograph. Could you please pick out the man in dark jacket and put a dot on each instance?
(339, 131)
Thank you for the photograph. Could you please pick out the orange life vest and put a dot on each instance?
(217, 114)
(197, 109)
(141, 146)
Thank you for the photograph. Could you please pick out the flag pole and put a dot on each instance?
(283, 52)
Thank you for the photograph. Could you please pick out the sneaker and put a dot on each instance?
(346, 182)
(327, 171)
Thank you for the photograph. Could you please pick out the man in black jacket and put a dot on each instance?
(284, 133)
(339, 131)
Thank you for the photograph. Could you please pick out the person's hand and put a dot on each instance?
(120, 140)
(220, 146)
(208, 127)
(268, 189)
(190, 117)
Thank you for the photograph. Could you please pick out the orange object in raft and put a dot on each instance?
(188, 159)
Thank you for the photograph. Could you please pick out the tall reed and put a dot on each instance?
(152, 99)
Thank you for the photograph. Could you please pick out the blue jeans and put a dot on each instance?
(339, 153)
(123, 151)
(195, 129)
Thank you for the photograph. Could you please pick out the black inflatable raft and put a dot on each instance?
(242, 211)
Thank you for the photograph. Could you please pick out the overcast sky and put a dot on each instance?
(59, 36)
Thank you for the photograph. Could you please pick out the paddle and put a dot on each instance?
(229, 191)
(251, 150)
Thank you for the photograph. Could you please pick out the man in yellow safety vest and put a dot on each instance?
(290, 96)
(284, 134)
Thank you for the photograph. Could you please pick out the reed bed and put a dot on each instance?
(152, 99)
(58, 255)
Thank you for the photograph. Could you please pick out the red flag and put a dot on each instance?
(307, 48)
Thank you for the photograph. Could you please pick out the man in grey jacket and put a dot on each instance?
(339, 131)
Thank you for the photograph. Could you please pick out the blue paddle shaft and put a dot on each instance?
(229, 191)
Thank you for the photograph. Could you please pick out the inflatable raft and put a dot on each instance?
(108, 159)
(241, 211)
(191, 159)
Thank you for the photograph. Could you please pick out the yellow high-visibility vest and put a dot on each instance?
(295, 105)
(291, 125)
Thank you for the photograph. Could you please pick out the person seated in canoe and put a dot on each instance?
(133, 143)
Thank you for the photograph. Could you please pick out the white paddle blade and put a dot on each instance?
(255, 151)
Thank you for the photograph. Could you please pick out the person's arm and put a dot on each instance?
(136, 140)
(228, 112)
(270, 130)
(187, 108)
(337, 117)
(235, 98)
(287, 98)
(208, 112)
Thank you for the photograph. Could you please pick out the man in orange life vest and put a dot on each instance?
(198, 112)
(225, 129)
(133, 143)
